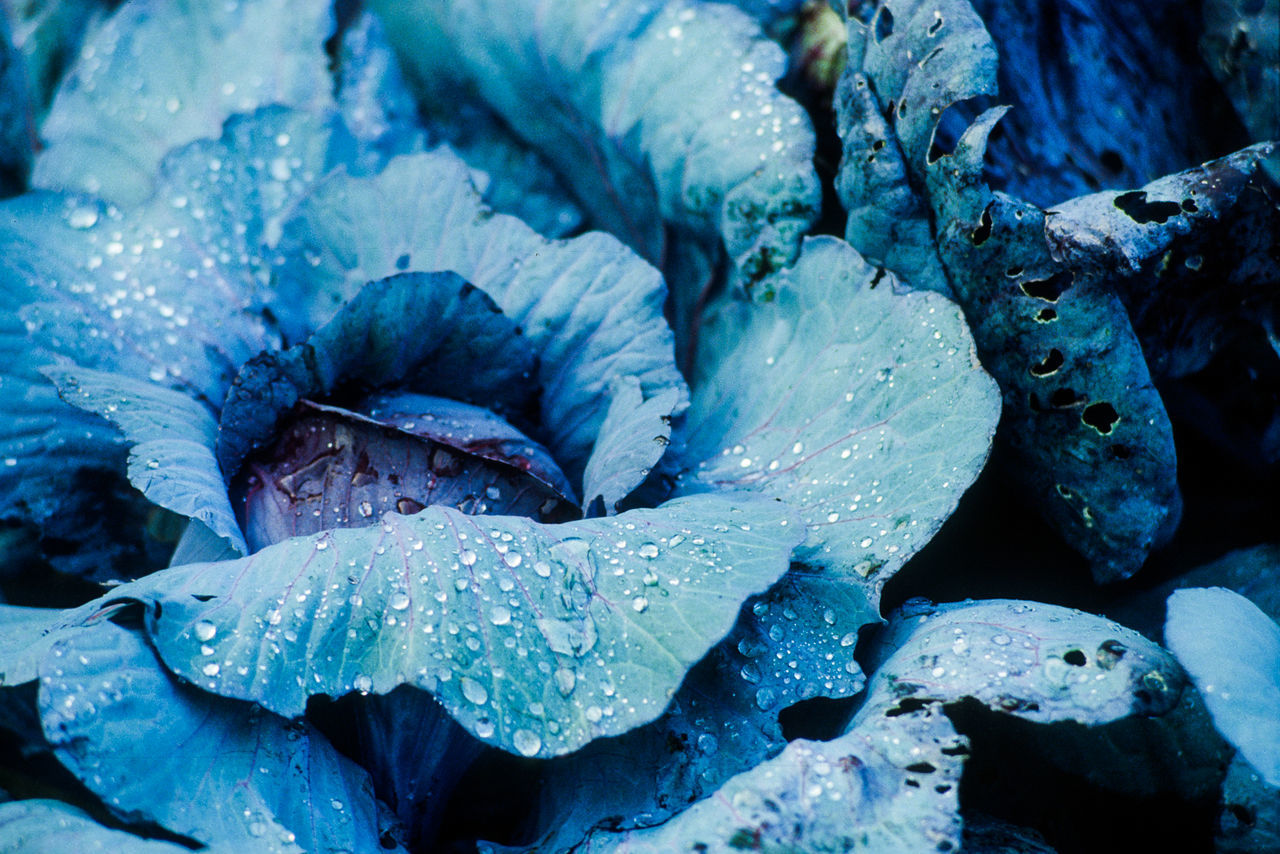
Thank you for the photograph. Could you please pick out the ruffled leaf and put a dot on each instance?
(634, 436)
(861, 405)
(792, 643)
(590, 308)
(1232, 651)
(536, 638)
(209, 768)
(172, 437)
(162, 73)
(654, 113)
(425, 332)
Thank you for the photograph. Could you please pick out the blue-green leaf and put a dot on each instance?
(792, 643)
(536, 638)
(654, 113)
(590, 308)
(172, 437)
(863, 791)
(1092, 439)
(54, 827)
(861, 405)
(17, 116)
(632, 439)
(161, 73)
(1232, 651)
(1043, 663)
(209, 768)
(908, 62)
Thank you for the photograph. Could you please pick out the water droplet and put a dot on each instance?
(474, 691)
(500, 615)
(512, 559)
(363, 684)
(766, 698)
(399, 600)
(205, 630)
(565, 680)
(528, 743)
(1001, 640)
(467, 557)
(484, 728)
(83, 218)
(849, 640)
(336, 804)
(648, 550)
(640, 604)
(542, 568)
(210, 669)
(366, 509)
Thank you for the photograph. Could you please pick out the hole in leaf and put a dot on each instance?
(1109, 653)
(1141, 211)
(1046, 315)
(402, 263)
(1100, 416)
(1120, 452)
(1014, 271)
(936, 25)
(884, 24)
(1033, 402)
(1065, 398)
(877, 145)
(1190, 206)
(1049, 364)
(1048, 289)
(983, 231)
(1075, 658)
(1064, 491)
(906, 706)
(921, 768)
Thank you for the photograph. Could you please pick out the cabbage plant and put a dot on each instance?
(510, 426)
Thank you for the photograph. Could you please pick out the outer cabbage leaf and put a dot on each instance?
(792, 643)
(1092, 441)
(1194, 256)
(171, 460)
(908, 62)
(161, 73)
(1232, 651)
(26, 637)
(537, 638)
(168, 291)
(1241, 43)
(54, 827)
(590, 308)
(209, 768)
(862, 791)
(655, 113)
(1043, 663)
(876, 420)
